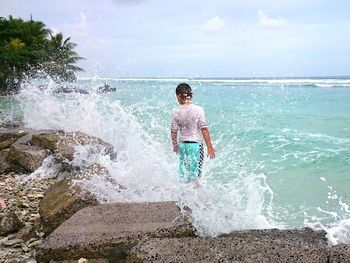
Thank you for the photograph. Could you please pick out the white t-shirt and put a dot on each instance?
(189, 119)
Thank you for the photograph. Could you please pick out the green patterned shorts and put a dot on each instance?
(191, 155)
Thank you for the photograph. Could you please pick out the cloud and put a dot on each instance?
(54, 31)
(264, 20)
(214, 24)
(78, 29)
(127, 2)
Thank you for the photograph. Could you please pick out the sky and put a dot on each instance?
(200, 38)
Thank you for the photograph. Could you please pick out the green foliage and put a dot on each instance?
(19, 204)
(28, 48)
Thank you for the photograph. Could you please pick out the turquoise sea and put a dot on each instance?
(282, 145)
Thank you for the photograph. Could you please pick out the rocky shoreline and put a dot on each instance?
(22, 201)
(55, 220)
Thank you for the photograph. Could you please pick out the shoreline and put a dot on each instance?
(313, 243)
(52, 219)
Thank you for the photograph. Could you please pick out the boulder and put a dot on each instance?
(8, 138)
(60, 202)
(9, 223)
(63, 144)
(97, 171)
(110, 230)
(64, 89)
(5, 165)
(66, 197)
(10, 123)
(106, 88)
(29, 157)
(256, 246)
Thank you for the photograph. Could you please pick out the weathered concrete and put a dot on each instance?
(8, 138)
(60, 202)
(63, 144)
(339, 254)
(249, 246)
(110, 230)
(29, 157)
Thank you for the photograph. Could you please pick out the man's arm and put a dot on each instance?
(174, 141)
(210, 148)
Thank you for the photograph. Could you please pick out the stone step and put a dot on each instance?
(258, 246)
(110, 230)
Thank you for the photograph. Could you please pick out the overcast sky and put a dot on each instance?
(200, 38)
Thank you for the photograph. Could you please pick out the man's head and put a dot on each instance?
(184, 91)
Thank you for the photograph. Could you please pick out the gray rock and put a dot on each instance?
(60, 202)
(66, 197)
(106, 88)
(339, 254)
(8, 138)
(13, 242)
(27, 232)
(29, 157)
(65, 89)
(263, 248)
(271, 245)
(110, 230)
(10, 123)
(9, 223)
(64, 144)
(304, 235)
(35, 243)
(5, 164)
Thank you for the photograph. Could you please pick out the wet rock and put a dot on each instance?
(10, 123)
(227, 249)
(303, 235)
(64, 89)
(110, 230)
(60, 202)
(9, 223)
(270, 245)
(8, 138)
(106, 88)
(66, 197)
(64, 144)
(96, 171)
(339, 254)
(29, 157)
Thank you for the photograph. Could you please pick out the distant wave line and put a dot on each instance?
(324, 83)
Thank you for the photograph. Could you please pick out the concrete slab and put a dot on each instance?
(227, 249)
(268, 245)
(110, 230)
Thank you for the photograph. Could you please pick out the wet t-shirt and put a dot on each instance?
(189, 119)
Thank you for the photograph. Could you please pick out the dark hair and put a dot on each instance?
(184, 91)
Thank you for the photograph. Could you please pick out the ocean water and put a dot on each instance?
(282, 146)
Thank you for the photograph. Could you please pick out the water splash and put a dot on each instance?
(232, 195)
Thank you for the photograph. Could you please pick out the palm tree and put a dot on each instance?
(28, 47)
(62, 57)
